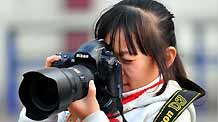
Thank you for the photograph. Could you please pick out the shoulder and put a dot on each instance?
(189, 115)
(151, 111)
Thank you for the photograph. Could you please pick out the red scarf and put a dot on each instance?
(133, 97)
(139, 93)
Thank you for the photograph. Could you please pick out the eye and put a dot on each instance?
(128, 61)
(125, 61)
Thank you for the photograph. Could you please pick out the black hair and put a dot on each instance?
(153, 29)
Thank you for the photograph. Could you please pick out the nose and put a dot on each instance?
(123, 74)
(122, 68)
(123, 71)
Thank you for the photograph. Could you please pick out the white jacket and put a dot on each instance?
(142, 108)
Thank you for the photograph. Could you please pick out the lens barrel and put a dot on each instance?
(51, 90)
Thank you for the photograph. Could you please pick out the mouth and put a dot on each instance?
(125, 84)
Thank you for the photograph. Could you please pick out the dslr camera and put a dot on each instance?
(51, 90)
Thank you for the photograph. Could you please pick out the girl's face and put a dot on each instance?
(137, 70)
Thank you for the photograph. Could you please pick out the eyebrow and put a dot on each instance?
(126, 55)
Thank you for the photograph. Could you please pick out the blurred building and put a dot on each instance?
(31, 30)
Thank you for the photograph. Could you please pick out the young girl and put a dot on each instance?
(142, 36)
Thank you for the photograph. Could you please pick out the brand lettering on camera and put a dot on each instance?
(76, 70)
(79, 55)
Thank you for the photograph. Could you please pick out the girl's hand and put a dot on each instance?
(87, 105)
(51, 59)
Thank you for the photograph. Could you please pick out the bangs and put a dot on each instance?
(135, 23)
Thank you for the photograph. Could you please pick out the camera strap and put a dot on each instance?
(120, 109)
(176, 104)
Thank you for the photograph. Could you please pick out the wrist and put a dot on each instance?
(98, 116)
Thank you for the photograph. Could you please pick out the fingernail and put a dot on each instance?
(91, 82)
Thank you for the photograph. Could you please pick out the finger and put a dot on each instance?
(51, 59)
(92, 89)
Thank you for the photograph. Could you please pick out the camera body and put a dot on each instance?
(106, 70)
(49, 91)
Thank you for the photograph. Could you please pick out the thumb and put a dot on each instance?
(92, 89)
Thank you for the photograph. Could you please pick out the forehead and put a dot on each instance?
(119, 38)
(119, 42)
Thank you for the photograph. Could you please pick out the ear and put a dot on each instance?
(171, 55)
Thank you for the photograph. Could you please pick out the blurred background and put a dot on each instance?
(31, 30)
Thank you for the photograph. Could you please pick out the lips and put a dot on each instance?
(125, 84)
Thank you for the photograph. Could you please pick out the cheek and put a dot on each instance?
(140, 71)
(132, 72)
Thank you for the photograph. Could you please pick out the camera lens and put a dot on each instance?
(51, 90)
(44, 94)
